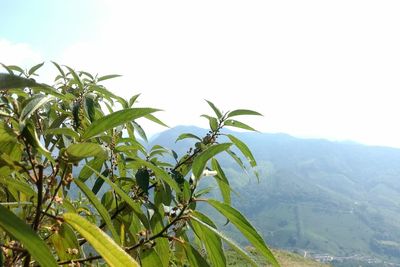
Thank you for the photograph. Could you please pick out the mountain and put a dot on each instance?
(338, 202)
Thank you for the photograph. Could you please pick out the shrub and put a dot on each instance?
(77, 185)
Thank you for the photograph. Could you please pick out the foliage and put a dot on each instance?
(77, 186)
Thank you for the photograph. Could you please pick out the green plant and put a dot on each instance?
(78, 187)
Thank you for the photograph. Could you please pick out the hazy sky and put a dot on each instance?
(327, 69)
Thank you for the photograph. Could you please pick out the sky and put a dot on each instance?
(317, 69)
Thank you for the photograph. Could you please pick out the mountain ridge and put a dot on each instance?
(325, 197)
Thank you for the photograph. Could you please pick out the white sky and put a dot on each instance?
(328, 69)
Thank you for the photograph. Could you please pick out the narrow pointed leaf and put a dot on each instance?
(35, 68)
(216, 110)
(211, 241)
(20, 187)
(238, 124)
(244, 149)
(124, 196)
(244, 226)
(201, 160)
(59, 68)
(240, 112)
(76, 77)
(63, 131)
(150, 258)
(63, 240)
(86, 172)
(230, 242)
(142, 179)
(31, 241)
(7, 69)
(236, 159)
(99, 207)
(152, 118)
(16, 68)
(140, 131)
(113, 254)
(213, 122)
(115, 119)
(222, 182)
(34, 104)
(159, 173)
(187, 135)
(194, 257)
(106, 77)
(76, 152)
(133, 99)
(44, 88)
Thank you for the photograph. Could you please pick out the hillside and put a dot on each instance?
(334, 201)
(285, 259)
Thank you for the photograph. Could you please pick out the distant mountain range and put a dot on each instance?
(334, 201)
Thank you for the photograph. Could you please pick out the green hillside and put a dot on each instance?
(328, 199)
(285, 259)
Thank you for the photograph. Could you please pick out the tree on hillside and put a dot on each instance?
(78, 187)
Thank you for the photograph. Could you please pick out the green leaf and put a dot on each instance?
(16, 204)
(142, 179)
(8, 70)
(31, 241)
(133, 99)
(211, 241)
(201, 160)
(99, 182)
(213, 122)
(30, 135)
(239, 112)
(90, 111)
(159, 173)
(237, 159)
(230, 242)
(238, 124)
(35, 68)
(194, 257)
(76, 152)
(100, 208)
(86, 172)
(106, 77)
(75, 77)
(113, 254)
(59, 68)
(48, 90)
(22, 187)
(140, 131)
(34, 104)
(187, 135)
(216, 110)
(244, 149)
(115, 119)
(150, 258)
(124, 196)
(104, 92)
(63, 240)
(222, 181)
(162, 245)
(152, 118)
(63, 131)
(244, 226)
(90, 76)
(16, 68)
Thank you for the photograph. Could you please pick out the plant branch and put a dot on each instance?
(56, 191)
(39, 185)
